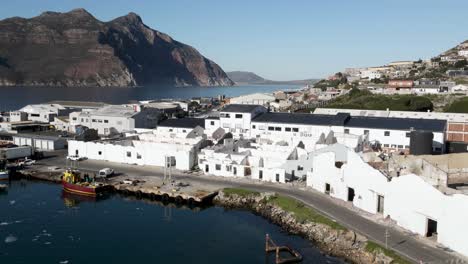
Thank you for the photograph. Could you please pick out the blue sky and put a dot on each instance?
(294, 39)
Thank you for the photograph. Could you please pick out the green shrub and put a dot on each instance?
(373, 247)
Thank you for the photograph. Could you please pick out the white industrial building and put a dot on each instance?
(391, 133)
(413, 203)
(341, 173)
(144, 149)
(44, 112)
(265, 161)
(112, 119)
(235, 118)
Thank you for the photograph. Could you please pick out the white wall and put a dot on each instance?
(142, 153)
(367, 182)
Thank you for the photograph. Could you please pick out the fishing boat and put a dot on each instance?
(73, 183)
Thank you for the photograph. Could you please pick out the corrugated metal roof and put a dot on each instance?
(183, 122)
(353, 121)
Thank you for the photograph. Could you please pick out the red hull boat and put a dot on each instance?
(72, 183)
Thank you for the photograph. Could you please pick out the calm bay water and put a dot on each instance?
(39, 224)
(12, 98)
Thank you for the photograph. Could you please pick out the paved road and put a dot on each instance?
(404, 243)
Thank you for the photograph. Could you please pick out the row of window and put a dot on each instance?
(286, 129)
(92, 120)
(226, 115)
(396, 146)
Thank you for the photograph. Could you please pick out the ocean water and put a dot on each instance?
(12, 98)
(41, 224)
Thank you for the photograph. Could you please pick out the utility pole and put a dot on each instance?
(387, 234)
(167, 169)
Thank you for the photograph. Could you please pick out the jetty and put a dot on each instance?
(270, 246)
(151, 187)
(157, 189)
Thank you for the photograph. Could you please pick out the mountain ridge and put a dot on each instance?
(246, 77)
(76, 49)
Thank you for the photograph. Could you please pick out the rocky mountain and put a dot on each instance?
(76, 49)
(245, 77)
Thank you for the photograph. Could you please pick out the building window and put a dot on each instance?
(277, 177)
(218, 167)
(299, 168)
(81, 119)
(93, 120)
(406, 146)
(74, 118)
(106, 121)
(366, 132)
(170, 129)
(400, 146)
(346, 131)
(99, 121)
(183, 131)
(386, 145)
(212, 123)
(295, 129)
(408, 134)
(277, 128)
(99, 153)
(238, 115)
(287, 129)
(224, 115)
(271, 128)
(387, 133)
(253, 126)
(138, 156)
(129, 154)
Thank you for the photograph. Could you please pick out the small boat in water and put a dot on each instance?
(4, 175)
(72, 182)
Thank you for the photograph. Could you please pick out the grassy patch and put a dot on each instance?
(303, 213)
(239, 192)
(362, 99)
(374, 247)
(458, 106)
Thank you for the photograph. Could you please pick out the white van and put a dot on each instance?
(105, 173)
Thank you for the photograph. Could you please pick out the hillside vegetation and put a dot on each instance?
(360, 99)
(458, 106)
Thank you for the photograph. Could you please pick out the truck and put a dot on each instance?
(13, 153)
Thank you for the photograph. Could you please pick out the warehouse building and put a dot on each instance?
(40, 142)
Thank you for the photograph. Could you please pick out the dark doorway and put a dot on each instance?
(234, 170)
(380, 204)
(207, 168)
(277, 177)
(350, 194)
(431, 228)
(260, 174)
(76, 152)
(327, 188)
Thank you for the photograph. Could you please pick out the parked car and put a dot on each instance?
(75, 158)
(26, 162)
(106, 172)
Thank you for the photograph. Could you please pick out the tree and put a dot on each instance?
(460, 63)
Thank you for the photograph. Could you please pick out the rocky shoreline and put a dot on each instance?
(341, 243)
